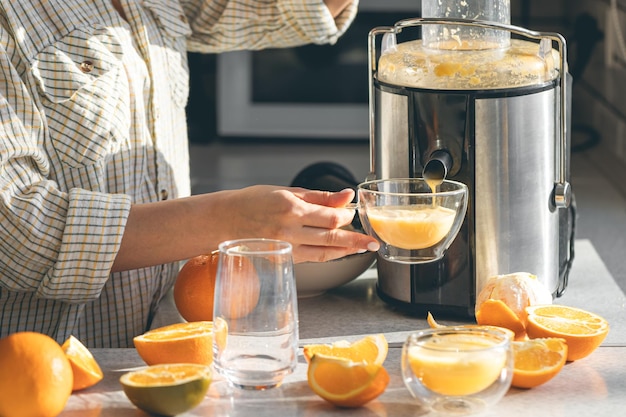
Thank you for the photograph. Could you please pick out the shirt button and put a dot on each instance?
(86, 66)
(164, 194)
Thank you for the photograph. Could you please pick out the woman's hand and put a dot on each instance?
(311, 221)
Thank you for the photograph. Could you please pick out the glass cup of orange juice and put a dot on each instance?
(457, 370)
(415, 221)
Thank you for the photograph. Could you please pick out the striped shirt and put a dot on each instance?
(92, 120)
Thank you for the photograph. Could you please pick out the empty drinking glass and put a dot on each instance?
(255, 313)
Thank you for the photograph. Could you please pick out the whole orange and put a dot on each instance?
(35, 376)
(195, 288)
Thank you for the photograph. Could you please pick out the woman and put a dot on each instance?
(95, 209)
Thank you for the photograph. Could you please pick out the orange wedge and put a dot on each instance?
(86, 370)
(348, 374)
(582, 330)
(497, 313)
(190, 342)
(345, 383)
(537, 361)
(371, 349)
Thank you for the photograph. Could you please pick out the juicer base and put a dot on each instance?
(422, 309)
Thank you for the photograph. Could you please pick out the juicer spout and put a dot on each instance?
(438, 165)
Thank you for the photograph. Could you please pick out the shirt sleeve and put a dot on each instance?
(220, 26)
(59, 245)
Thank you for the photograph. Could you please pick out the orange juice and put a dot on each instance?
(411, 227)
(457, 364)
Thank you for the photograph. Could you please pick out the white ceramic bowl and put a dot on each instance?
(315, 278)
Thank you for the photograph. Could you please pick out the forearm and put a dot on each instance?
(167, 231)
(60, 246)
(311, 221)
(278, 24)
(337, 6)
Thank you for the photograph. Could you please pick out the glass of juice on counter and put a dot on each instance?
(457, 370)
(415, 220)
(255, 313)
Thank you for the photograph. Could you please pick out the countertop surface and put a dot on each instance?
(595, 385)
(597, 181)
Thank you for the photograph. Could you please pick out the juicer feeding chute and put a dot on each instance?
(487, 104)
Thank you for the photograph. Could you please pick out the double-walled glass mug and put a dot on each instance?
(255, 313)
(458, 370)
(414, 221)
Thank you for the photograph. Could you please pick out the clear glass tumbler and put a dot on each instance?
(458, 370)
(255, 313)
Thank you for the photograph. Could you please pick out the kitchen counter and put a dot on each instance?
(595, 385)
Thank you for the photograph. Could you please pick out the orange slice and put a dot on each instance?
(190, 342)
(433, 324)
(494, 312)
(345, 383)
(430, 319)
(371, 349)
(582, 330)
(86, 370)
(537, 361)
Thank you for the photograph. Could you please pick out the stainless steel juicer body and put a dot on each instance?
(510, 147)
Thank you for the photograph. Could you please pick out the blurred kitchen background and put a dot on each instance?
(261, 117)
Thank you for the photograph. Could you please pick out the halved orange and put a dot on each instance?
(494, 312)
(536, 361)
(371, 349)
(169, 389)
(86, 370)
(345, 383)
(582, 330)
(190, 342)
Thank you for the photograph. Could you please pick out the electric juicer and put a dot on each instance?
(476, 100)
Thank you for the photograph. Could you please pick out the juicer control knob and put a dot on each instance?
(562, 195)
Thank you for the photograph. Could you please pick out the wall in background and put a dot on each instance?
(599, 102)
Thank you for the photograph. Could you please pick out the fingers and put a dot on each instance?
(310, 220)
(320, 237)
(319, 244)
(326, 198)
(326, 209)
